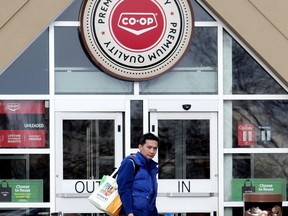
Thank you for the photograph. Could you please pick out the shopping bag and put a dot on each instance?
(5, 192)
(106, 197)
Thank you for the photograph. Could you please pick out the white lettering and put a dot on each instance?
(265, 185)
(22, 186)
(133, 21)
(34, 125)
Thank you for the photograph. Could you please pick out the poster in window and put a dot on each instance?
(265, 134)
(246, 134)
(22, 124)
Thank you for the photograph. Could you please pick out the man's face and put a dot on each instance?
(149, 149)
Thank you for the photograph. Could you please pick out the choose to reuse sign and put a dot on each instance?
(257, 185)
(21, 190)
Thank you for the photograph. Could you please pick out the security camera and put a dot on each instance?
(186, 106)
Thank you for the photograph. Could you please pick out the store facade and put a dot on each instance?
(220, 114)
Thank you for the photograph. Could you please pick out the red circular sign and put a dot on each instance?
(136, 39)
(137, 29)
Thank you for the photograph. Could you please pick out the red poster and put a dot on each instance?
(22, 107)
(246, 133)
(22, 138)
(22, 124)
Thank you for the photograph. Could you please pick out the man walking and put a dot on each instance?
(137, 183)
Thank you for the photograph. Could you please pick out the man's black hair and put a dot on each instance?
(149, 136)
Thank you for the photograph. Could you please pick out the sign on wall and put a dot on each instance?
(22, 124)
(136, 40)
(21, 190)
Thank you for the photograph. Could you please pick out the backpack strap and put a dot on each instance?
(136, 167)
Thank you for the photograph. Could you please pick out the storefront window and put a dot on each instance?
(242, 74)
(75, 73)
(29, 73)
(196, 73)
(24, 178)
(25, 212)
(24, 124)
(256, 124)
(136, 122)
(255, 172)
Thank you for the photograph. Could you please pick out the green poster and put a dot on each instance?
(25, 190)
(257, 185)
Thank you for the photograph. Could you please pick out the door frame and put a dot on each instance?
(202, 193)
(75, 192)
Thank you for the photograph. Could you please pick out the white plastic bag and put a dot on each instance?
(106, 197)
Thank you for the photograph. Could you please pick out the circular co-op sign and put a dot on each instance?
(136, 39)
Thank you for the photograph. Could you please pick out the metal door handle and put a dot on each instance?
(56, 213)
(187, 194)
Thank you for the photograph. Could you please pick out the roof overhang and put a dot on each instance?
(22, 21)
(262, 25)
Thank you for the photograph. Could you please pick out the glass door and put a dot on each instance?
(187, 160)
(89, 145)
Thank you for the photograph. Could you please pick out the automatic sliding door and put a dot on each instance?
(186, 153)
(89, 145)
(187, 159)
(88, 148)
